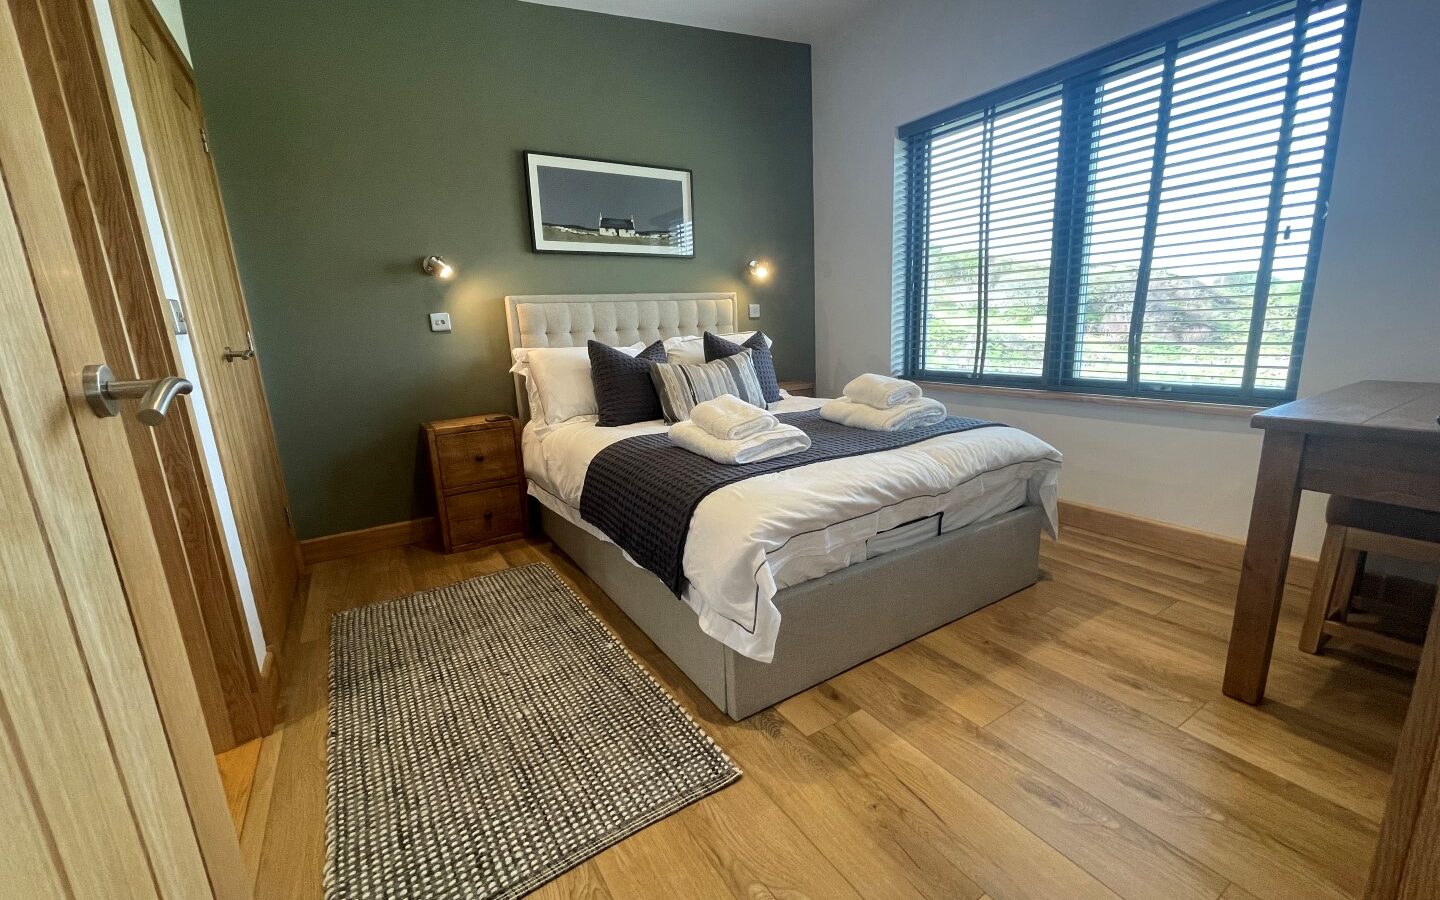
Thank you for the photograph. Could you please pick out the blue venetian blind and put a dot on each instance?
(1144, 221)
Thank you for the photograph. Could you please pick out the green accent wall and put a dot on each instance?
(354, 137)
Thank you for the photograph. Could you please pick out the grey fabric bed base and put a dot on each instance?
(829, 624)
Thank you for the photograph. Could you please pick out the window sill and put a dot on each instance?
(1230, 410)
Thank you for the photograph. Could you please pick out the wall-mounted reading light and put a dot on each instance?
(759, 269)
(434, 265)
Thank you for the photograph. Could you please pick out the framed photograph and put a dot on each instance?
(582, 205)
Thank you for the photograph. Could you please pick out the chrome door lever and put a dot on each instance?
(248, 353)
(104, 394)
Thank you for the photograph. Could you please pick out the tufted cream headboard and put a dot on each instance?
(569, 320)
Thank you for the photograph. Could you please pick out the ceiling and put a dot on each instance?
(789, 20)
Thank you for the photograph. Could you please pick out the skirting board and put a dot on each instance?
(365, 540)
(1177, 539)
(1174, 539)
(267, 696)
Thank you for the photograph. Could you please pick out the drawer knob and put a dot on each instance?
(489, 515)
(479, 457)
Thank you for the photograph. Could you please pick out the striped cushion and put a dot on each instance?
(716, 347)
(683, 385)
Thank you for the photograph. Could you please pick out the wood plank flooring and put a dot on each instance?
(1070, 741)
(238, 766)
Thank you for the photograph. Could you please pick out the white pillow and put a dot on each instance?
(691, 349)
(558, 381)
(532, 396)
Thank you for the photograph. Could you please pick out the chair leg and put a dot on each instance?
(1335, 576)
(1347, 578)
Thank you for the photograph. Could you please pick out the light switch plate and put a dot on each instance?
(754, 310)
(439, 321)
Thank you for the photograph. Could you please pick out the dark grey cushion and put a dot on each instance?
(623, 389)
(717, 347)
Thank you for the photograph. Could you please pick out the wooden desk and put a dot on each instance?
(1375, 440)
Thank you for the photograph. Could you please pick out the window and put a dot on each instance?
(1143, 221)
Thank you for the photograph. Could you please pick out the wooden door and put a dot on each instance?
(171, 127)
(107, 786)
(59, 39)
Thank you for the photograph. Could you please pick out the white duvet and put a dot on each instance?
(747, 540)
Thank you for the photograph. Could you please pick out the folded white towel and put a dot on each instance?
(914, 414)
(778, 441)
(731, 419)
(881, 391)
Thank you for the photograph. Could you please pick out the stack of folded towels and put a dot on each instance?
(882, 403)
(731, 431)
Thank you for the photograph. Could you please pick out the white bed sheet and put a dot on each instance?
(749, 540)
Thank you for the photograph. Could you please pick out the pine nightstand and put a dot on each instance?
(479, 480)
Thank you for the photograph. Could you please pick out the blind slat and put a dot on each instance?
(1147, 220)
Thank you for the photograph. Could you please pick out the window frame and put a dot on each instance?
(1075, 81)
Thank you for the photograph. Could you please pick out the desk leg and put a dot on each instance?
(1407, 858)
(1267, 557)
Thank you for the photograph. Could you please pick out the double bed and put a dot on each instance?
(793, 576)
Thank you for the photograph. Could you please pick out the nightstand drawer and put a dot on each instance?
(485, 515)
(479, 482)
(474, 457)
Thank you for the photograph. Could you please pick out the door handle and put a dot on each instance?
(104, 393)
(248, 353)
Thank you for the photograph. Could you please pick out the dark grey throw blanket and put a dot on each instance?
(642, 491)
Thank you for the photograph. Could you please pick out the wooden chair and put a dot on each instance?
(1355, 529)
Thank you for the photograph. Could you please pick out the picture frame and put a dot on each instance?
(605, 207)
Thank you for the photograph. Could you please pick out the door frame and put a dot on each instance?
(201, 249)
(66, 62)
(122, 614)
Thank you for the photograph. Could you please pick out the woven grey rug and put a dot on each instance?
(489, 735)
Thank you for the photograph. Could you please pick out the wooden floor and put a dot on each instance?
(1067, 742)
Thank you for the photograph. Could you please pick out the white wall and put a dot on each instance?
(1376, 311)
